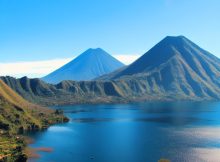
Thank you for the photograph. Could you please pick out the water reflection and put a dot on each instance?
(164, 120)
(60, 129)
(181, 132)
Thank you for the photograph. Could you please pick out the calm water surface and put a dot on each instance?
(147, 132)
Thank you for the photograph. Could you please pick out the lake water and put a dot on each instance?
(146, 132)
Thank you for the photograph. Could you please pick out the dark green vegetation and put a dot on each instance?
(164, 160)
(174, 69)
(16, 116)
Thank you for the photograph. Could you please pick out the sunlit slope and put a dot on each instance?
(17, 114)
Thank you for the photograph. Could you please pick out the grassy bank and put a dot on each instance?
(13, 145)
(16, 116)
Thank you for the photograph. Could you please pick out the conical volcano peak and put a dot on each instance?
(175, 37)
(174, 52)
(91, 64)
(176, 43)
(95, 51)
(174, 40)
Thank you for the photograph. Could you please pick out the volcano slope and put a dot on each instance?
(175, 66)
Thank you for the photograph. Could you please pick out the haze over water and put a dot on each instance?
(147, 132)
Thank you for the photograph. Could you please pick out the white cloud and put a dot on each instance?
(41, 68)
(127, 59)
(31, 68)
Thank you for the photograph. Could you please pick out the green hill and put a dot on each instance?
(16, 116)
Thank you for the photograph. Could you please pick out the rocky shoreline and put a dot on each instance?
(13, 147)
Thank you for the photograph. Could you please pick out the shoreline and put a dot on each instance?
(33, 153)
(15, 145)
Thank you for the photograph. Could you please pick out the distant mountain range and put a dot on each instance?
(174, 69)
(87, 66)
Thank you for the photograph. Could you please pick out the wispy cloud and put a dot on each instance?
(31, 68)
(127, 59)
(40, 68)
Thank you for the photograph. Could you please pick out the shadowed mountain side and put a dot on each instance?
(87, 66)
(66, 92)
(141, 88)
(175, 64)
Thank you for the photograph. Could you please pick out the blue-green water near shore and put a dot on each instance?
(146, 132)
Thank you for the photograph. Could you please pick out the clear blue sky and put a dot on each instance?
(48, 29)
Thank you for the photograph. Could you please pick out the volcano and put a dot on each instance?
(176, 65)
(90, 64)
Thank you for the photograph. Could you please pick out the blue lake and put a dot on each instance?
(146, 132)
